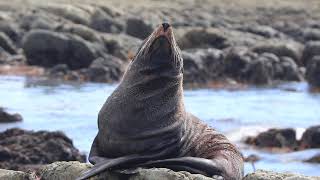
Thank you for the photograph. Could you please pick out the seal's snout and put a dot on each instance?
(165, 26)
(165, 30)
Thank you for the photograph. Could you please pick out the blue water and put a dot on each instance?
(73, 108)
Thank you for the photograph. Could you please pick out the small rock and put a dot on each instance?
(203, 38)
(58, 70)
(290, 70)
(137, 27)
(6, 117)
(311, 34)
(38, 20)
(83, 31)
(265, 31)
(280, 138)
(103, 22)
(202, 65)
(313, 71)
(311, 138)
(237, 61)
(72, 13)
(121, 45)
(311, 49)
(106, 69)
(260, 71)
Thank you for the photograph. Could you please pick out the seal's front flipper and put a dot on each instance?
(194, 165)
(115, 163)
(104, 165)
(94, 157)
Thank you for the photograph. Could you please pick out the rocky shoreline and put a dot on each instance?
(94, 42)
(71, 170)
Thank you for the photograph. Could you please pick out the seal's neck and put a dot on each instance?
(156, 95)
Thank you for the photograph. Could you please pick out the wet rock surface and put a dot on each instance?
(24, 150)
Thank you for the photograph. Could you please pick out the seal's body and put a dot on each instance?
(144, 123)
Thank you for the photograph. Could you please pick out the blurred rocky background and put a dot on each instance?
(246, 41)
(224, 43)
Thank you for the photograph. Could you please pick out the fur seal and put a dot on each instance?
(144, 123)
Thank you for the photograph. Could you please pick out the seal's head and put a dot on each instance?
(159, 55)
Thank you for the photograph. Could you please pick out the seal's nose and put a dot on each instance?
(165, 26)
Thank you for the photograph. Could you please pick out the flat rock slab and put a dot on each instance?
(72, 170)
(269, 175)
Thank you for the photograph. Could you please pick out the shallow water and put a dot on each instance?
(73, 108)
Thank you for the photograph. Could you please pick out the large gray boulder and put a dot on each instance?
(46, 48)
